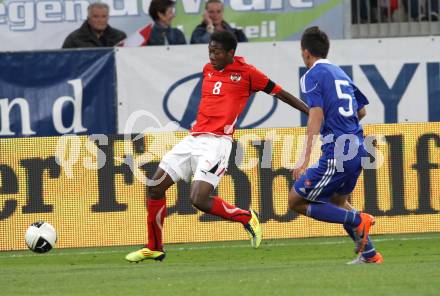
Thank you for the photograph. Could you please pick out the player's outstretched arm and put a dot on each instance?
(314, 122)
(292, 101)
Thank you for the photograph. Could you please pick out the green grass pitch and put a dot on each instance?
(280, 267)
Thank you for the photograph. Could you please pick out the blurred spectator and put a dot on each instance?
(380, 11)
(359, 10)
(414, 11)
(95, 31)
(432, 14)
(373, 11)
(213, 21)
(162, 13)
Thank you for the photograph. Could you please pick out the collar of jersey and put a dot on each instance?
(320, 61)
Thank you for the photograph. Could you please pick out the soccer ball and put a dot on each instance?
(40, 237)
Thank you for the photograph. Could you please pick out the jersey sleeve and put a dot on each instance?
(361, 99)
(311, 89)
(260, 82)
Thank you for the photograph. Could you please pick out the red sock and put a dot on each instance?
(157, 210)
(229, 212)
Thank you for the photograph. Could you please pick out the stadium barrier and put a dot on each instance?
(93, 188)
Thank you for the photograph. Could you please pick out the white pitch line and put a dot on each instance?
(339, 242)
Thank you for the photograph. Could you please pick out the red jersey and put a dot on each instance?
(225, 94)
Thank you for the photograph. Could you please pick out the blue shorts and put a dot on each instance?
(320, 182)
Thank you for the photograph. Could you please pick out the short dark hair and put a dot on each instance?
(226, 39)
(212, 1)
(161, 6)
(316, 42)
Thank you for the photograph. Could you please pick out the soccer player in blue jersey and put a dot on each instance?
(336, 106)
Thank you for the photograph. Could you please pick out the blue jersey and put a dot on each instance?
(327, 86)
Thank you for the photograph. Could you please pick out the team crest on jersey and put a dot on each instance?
(210, 74)
(235, 77)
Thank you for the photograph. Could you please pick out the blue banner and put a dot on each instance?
(57, 92)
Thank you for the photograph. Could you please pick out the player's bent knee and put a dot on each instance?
(200, 204)
(291, 203)
(339, 200)
(294, 200)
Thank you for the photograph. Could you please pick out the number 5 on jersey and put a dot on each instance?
(216, 89)
(344, 96)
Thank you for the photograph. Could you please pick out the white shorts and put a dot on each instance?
(204, 156)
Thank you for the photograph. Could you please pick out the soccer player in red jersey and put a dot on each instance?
(228, 82)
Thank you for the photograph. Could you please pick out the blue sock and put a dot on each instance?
(369, 250)
(350, 231)
(328, 212)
